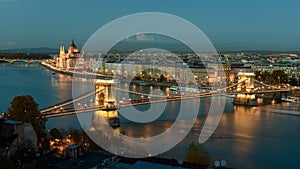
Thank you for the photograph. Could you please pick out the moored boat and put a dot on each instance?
(174, 88)
(291, 99)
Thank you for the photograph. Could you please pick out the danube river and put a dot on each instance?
(247, 137)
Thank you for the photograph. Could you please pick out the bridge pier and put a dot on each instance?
(245, 99)
(270, 98)
(277, 97)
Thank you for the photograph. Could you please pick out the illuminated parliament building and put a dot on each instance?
(67, 60)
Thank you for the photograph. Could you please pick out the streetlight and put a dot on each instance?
(279, 80)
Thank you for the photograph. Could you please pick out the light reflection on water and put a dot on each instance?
(250, 137)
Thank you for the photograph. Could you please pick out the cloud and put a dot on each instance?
(141, 37)
(144, 37)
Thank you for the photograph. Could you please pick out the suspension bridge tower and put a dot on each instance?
(106, 98)
(105, 94)
(246, 82)
(244, 87)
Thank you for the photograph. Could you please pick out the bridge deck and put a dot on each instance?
(58, 112)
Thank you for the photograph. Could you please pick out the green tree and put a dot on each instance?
(63, 132)
(274, 78)
(55, 134)
(258, 75)
(24, 108)
(279, 77)
(197, 154)
(265, 77)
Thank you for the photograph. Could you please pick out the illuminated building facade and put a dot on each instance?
(67, 60)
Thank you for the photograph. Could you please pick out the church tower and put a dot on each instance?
(61, 50)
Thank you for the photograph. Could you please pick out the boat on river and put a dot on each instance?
(183, 89)
(174, 88)
(291, 99)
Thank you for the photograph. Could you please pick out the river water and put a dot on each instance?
(247, 137)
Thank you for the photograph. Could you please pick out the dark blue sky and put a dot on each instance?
(229, 24)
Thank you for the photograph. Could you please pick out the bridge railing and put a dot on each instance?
(70, 101)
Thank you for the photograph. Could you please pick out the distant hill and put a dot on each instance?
(31, 50)
(264, 52)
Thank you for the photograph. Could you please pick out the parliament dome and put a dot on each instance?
(73, 48)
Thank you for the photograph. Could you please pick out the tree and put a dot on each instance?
(258, 75)
(24, 108)
(279, 77)
(197, 154)
(265, 76)
(274, 78)
(63, 132)
(55, 134)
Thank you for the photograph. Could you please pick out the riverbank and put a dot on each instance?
(73, 73)
(99, 76)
